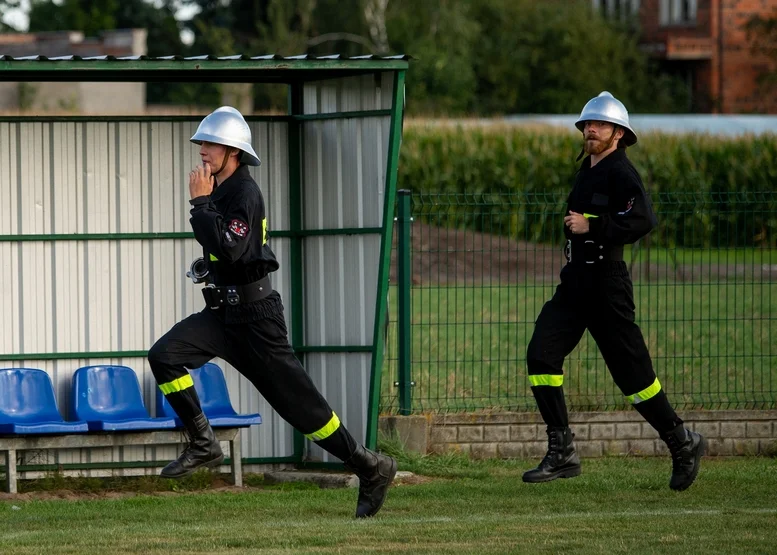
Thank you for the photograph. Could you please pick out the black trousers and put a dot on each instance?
(258, 348)
(599, 298)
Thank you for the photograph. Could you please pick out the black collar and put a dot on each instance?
(239, 175)
(607, 162)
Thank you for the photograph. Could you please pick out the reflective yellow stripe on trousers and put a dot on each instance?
(645, 394)
(179, 384)
(326, 431)
(553, 380)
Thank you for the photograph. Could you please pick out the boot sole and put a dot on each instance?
(696, 466)
(390, 478)
(566, 473)
(210, 464)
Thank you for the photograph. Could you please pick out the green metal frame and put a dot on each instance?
(276, 70)
(381, 308)
(300, 349)
(295, 222)
(169, 119)
(342, 115)
(150, 235)
(72, 355)
(404, 381)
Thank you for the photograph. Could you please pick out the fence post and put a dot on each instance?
(403, 310)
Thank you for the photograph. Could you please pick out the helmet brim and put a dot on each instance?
(248, 156)
(629, 137)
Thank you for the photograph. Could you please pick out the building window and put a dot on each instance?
(677, 12)
(619, 10)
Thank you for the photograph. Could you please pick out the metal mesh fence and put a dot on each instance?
(482, 265)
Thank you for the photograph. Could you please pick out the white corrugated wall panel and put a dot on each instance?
(363, 92)
(344, 380)
(344, 163)
(110, 295)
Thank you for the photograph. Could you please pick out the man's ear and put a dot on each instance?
(619, 132)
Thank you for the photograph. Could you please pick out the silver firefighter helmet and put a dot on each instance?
(606, 107)
(227, 126)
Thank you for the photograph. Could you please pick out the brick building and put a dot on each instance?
(705, 42)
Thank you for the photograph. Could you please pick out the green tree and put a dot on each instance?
(479, 57)
(486, 57)
(441, 36)
(551, 57)
(89, 17)
(339, 27)
(252, 27)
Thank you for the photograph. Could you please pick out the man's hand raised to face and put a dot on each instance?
(200, 181)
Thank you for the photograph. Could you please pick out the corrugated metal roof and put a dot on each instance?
(238, 68)
(235, 57)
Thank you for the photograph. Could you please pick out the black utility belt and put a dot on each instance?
(591, 252)
(233, 295)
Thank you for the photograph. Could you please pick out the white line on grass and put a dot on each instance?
(386, 518)
(585, 515)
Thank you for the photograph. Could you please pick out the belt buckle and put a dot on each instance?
(585, 251)
(213, 297)
(233, 297)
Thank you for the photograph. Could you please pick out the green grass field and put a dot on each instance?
(618, 505)
(707, 256)
(712, 345)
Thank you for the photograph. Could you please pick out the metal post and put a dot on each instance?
(236, 452)
(295, 225)
(10, 471)
(403, 313)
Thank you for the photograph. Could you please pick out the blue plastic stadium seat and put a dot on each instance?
(108, 398)
(28, 404)
(212, 390)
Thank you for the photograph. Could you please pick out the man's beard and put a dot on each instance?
(596, 146)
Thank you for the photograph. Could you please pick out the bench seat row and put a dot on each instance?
(106, 399)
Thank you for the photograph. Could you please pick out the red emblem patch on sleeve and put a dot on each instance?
(238, 228)
(629, 206)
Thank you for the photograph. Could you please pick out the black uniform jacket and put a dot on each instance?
(611, 194)
(231, 226)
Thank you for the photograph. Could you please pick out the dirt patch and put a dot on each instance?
(445, 256)
(64, 495)
(411, 479)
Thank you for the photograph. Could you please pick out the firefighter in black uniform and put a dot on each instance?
(243, 320)
(607, 209)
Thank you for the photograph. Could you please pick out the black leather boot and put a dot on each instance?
(686, 448)
(375, 473)
(203, 450)
(561, 460)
